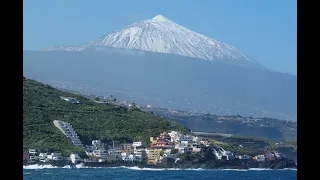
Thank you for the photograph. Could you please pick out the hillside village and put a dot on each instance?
(170, 146)
(164, 148)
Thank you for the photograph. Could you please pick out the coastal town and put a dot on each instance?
(167, 147)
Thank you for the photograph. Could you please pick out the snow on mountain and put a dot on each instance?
(162, 35)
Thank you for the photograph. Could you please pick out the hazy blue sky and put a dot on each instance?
(264, 29)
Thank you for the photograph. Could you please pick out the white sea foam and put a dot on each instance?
(292, 169)
(159, 169)
(260, 169)
(37, 166)
(232, 169)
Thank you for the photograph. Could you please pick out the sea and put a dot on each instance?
(36, 172)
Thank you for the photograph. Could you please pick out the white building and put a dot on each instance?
(186, 138)
(182, 149)
(43, 155)
(102, 154)
(96, 143)
(114, 154)
(140, 153)
(75, 158)
(137, 144)
(196, 139)
(70, 99)
(131, 158)
(174, 156)
(217, 154)
(229, 155)
(33, 158)
(260, 158)
(32, 152)
(184, 143)
(244, 157)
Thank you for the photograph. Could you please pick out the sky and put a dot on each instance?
(266, 30)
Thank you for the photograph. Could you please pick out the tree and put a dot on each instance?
(97, 98)
(207, 154)
(174, 151)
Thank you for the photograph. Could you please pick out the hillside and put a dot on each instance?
(42, 105)
(169, 81)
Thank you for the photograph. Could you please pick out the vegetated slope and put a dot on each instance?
(42, 105)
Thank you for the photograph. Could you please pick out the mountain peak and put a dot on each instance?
(160, 17)
(162, 35)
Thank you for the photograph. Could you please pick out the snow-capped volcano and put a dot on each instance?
(162, 35)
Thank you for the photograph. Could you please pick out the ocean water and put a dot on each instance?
(36, 172)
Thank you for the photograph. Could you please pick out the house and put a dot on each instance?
(196, 149)
(140, 153)
(162, 145)
(33, 158)
(70, 99)
(56, 156)
(217, 154)
(206, 143)
(278, 155)
(114, 154)
(153, 139)
(131, 158)
(32, 152)
(96, 143)
(174, 156)
(182, 149)
(75, 158)
(186, 138)
(227, 154)
(128, 148)
(164, 136)
(42, 159)
(260, 158)
(137, 144)
(270, 156)
(196, 139)
(154, 156)
(243, 157)
(100, 153)
(184, 143)
(43, 155)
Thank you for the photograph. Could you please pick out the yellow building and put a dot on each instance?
(154, 156)
(153, 139)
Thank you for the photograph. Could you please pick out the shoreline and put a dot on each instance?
(48, 166)
(240, 165)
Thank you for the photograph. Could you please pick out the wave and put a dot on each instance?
(232, 169)
(36, 166)
(160, 169)
(47, 166)
(266, 169)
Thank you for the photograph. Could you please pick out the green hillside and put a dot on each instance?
(42, 105)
